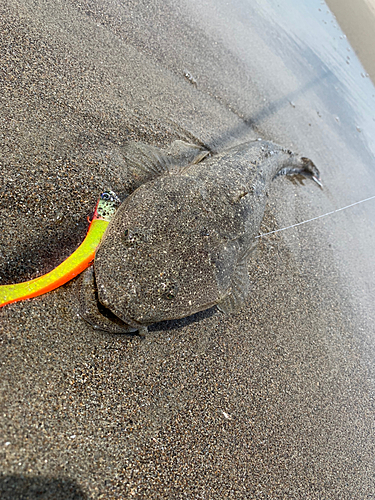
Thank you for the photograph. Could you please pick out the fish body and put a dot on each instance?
(180, 243)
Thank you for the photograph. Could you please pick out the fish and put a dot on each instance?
(181, 242)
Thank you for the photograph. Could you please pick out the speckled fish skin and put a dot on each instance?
(180, 243)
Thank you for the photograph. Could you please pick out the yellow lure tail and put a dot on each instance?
(73, 265)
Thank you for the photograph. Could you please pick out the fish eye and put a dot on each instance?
(128, 238)
(105, 196)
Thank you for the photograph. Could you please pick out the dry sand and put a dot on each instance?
(276, 401)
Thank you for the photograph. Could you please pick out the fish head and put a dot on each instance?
(156, 260)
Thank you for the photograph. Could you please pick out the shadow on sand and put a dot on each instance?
(18, 487)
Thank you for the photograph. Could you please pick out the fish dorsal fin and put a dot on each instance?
(144, 161)
(240, 284)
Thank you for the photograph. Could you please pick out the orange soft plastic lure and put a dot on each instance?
(74, 264)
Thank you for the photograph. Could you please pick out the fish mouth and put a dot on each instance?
(129, 321)
(125, 319)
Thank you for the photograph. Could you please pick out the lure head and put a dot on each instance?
(107, 205)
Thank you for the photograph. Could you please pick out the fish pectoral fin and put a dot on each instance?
(239, 289)
(89, 307)
(183, 153)
(246, 254)
(145, 162)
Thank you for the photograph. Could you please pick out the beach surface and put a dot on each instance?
(357, 19)
(274, 402)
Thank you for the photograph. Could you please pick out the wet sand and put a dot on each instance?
(276, 401)
(357, 19)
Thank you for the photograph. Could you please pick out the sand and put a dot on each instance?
(357, 19)
(273, 402)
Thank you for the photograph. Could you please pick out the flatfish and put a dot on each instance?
(180, 243)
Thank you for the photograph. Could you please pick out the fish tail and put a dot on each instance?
(299, 165)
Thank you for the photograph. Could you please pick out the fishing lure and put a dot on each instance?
(74, 264)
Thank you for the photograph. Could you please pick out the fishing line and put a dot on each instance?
(315, 218)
